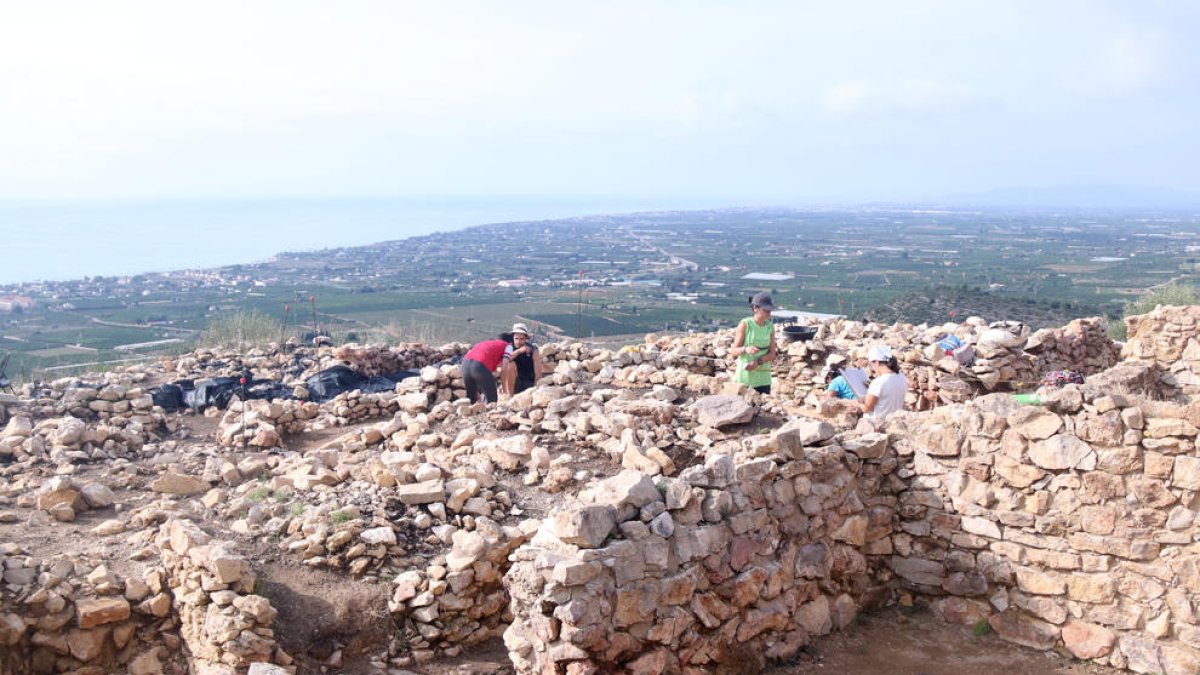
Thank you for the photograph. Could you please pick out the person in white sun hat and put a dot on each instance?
(524, 366)
(886, 393)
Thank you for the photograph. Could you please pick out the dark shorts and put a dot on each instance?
(478, 380)
(765, 389)
(522, 384)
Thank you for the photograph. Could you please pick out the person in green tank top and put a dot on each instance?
(754, 345)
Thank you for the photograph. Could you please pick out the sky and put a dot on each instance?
(750, 102)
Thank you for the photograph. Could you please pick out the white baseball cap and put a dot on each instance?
(880, 353)
(520, 328)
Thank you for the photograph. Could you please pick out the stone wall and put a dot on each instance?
(225, 625)
(729, 563)
(1169, 336)
(1007, 357)
(81, 425)
(63, 613)
(1071, 525)
(458, 600)
(371, 360)
(68, 614)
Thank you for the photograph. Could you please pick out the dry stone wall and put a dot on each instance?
(1008, 357)
(1169, 336)
(83, 424)
(1071, 525)
(225, 625)
(70, 614)
(458, 600)
(728, 564)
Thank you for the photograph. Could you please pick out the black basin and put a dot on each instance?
(799, 333)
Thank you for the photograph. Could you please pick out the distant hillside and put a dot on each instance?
(935, 307)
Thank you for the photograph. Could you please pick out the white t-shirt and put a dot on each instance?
(889, 390)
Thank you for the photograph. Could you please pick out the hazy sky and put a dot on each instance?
(753, 101)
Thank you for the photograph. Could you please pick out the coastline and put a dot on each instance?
(67, 240)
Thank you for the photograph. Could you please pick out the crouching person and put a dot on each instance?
(524, 366)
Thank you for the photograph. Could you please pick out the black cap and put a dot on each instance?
(762, 300)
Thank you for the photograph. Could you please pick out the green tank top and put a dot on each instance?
(756, 336)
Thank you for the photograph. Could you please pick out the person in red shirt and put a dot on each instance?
(479, 365)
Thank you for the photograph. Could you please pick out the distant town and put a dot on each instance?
(608, 277)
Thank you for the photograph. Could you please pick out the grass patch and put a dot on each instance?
(258, 494)
(339, 517)
(981, 628)
(245, 329)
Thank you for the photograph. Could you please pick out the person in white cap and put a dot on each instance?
(886, 393)
(523, 367)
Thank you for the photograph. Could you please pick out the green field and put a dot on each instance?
(628, 275)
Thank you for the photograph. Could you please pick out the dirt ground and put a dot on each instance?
(894, 641)
(907, 642)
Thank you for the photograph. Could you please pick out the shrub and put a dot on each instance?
(1174, 294)
(1171, 295)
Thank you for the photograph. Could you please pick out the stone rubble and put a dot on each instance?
(681, 522)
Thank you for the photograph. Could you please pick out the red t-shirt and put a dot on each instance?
(489, 352)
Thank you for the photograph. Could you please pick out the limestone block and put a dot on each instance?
(1035, 424)
(86, 645)
(627, 488)
(378, 535)
(919, 570)
(92, 612)
(1186, 473)
(179, 484)
(1016, 627)
(1088, 640)
(12, 627)
(722, 410)
(425, 492)
(1142, 655)
(587, 526)
(1017, 474)
(1040, 583)
(867, 446)
(1063, 451)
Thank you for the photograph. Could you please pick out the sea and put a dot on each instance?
(55, 241)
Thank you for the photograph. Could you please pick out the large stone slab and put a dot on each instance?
(1088, 640)
(1015, 627)
(919, 570)
(1034, 423)
(1063, 451)
(179, 484)
(628, 488)
(722, 411)
(425, 492)
(92, 612)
